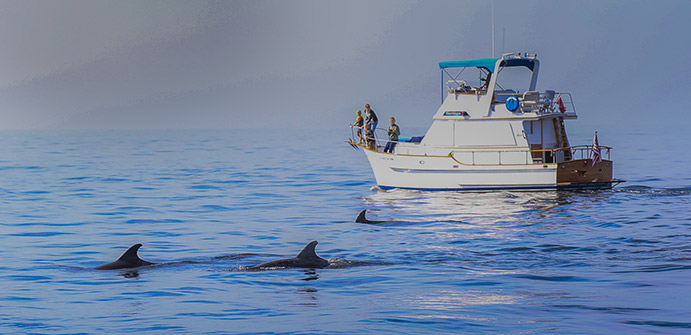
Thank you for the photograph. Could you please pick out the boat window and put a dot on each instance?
(514, 78)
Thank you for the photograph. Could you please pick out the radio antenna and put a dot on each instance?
(492, 28)
(503, 39)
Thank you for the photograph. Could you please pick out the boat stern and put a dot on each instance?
(583, 174)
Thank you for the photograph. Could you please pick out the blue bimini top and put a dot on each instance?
(487, 63)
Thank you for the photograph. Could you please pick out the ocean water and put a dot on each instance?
(208, 204)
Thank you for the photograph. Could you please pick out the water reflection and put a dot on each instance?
(131, 274)
(453, 304)
(487, 207)
(308, 296)
(455, 300)
(311, 275)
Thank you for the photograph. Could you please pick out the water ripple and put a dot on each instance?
(207, 206)
(662, 324)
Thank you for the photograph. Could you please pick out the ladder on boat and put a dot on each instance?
(562, 138)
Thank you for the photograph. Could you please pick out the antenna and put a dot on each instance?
(492, 28)
(503, 39)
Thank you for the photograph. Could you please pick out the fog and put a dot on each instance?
(311, 64)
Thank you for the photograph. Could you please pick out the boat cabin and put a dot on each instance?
(501, 89)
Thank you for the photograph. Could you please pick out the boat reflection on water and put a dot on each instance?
(483, 207)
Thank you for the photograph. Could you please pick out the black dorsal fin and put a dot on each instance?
(308, 252)
(361, 218)
(131, 254)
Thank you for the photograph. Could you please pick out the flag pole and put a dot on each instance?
(595, 151)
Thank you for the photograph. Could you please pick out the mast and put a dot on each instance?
(492, 28)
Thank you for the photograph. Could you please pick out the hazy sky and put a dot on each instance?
(306, 64)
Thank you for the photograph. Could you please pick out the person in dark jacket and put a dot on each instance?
(371, 117)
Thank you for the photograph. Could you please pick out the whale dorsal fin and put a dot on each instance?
(361, 218)
(131, 254)
(308, 252)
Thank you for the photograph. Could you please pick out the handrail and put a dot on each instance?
(354, 137)
(528, 157)
(547, 102)
(580, 149)
(577, 152)
(566, 102)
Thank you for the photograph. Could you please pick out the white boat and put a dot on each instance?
(493, 131)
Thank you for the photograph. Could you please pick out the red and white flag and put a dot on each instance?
(562, 108)
(597, 155)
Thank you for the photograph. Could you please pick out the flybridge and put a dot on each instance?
(511, 74)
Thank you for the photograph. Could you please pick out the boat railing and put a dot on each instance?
(459, 86)
(355, 139)
(490, 157)
(566, 101)
(543, 103)
(378, 143)
(586, 152)
(456, 85)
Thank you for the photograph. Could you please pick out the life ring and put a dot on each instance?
(512, 103)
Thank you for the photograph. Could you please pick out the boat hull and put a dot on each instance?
(443, 173)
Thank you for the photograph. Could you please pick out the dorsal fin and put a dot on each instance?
(361, 218)
(131, 254)
(308, 252)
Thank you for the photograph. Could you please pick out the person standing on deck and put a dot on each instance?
(371, 118)
(369, 138)
(393, 132)
(359, 123)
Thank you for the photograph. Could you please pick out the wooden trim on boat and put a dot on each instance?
(583, 171)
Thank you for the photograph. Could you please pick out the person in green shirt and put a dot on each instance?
(393, 132)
